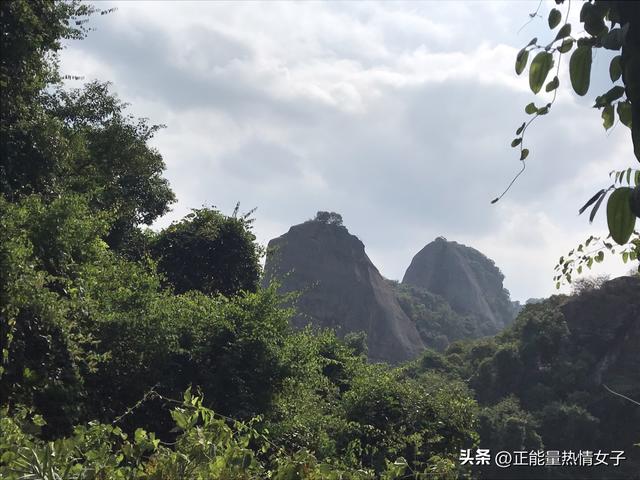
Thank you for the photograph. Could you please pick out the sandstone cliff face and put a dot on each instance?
(468, 280)
(341, 289)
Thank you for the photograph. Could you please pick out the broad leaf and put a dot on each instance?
(552, 85)
(540, 66)
(614, 39)
(614, 94)
(624, 113)
(565, 31)
(607, 117)
(566, 45)
(580, 69)
(592, 18)
(620, 218)
(615, 69)
(554, 18)
(521, 60)
(634, 201)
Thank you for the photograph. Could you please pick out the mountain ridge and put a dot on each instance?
(339, 287)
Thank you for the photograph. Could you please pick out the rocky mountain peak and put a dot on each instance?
(340, 287)
(469, 281)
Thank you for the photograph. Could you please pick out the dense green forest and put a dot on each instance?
(130, 353)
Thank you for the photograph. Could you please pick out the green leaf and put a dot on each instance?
(565, 31)
(614, 39)
(625, 257)
(554, 18)
(540, 66)
(592, 18)
(533, 41)
(140, 435)
(524, 153)
(39, 421)
(516, 142)
(552, 85)
(624, 112)
(615, 69)
(520, 128)
(521, 60)
(620, 218)
(180, 418)
(531, 109)
(591, 202)
(566, 45)
(595, 208)
(580, 69)
(610, 96)
(614, 94)
(600, 257)
(607, 117)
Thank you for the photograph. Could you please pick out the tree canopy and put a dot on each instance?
(209, 252)
(330, 218)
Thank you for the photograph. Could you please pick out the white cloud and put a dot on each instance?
(398, 115)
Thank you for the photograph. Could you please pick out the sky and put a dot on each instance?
(398, 115)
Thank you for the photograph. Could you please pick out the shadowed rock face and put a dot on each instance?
(468, 280)
(341, 289)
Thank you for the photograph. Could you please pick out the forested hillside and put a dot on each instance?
(549, 380)
(106, 324)
(134, 353)
(438, 324)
